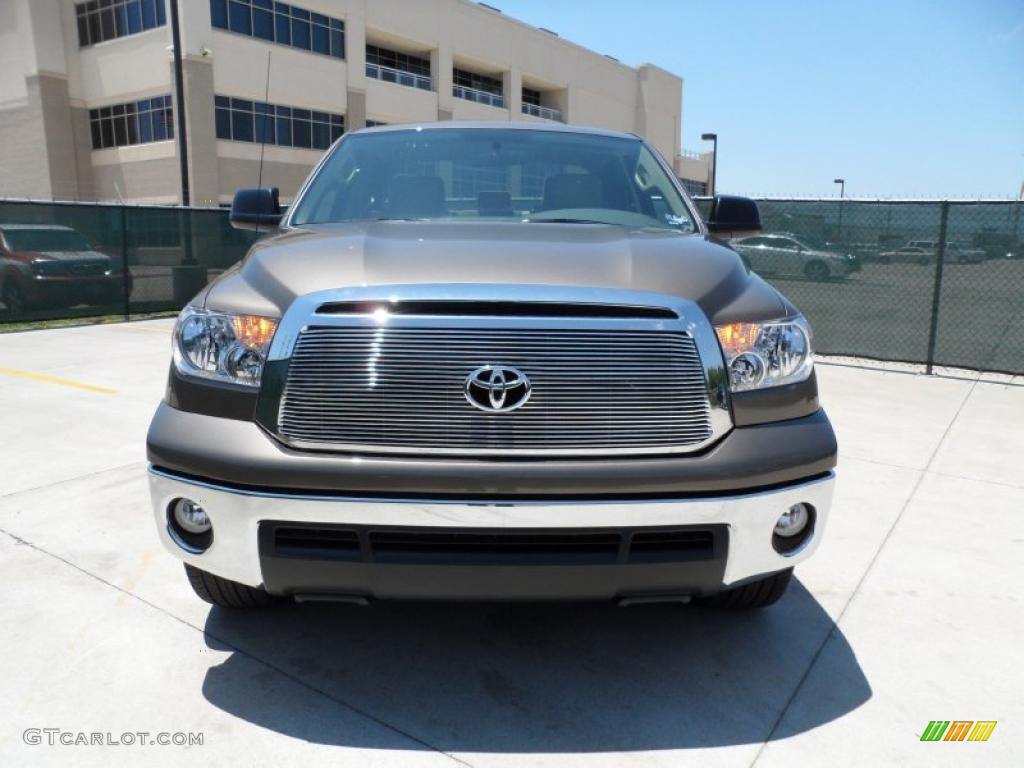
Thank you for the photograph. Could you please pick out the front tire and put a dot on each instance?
(225, 593)
(817, 271)
(756, 594)
(13, 298)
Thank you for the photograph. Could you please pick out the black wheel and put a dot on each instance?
(816, 270)
(756, 594)
(884, 260)
(225, 593)
(924, 261)
(13, 298)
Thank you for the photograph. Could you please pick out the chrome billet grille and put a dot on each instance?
(402, 388)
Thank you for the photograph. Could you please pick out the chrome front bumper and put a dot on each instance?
(236, 516)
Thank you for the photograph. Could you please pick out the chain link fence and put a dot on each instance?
(938, 283)
(66, 260)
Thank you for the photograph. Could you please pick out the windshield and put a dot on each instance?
(473, 173)
(45, 240)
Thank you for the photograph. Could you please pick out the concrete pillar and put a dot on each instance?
(355, 48)
(512, 88)
(82, 137)
(355, 114)
(39, 150)
(200, 130)
(442, 60)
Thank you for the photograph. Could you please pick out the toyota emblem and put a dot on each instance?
(497, 388)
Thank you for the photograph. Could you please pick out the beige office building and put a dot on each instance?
(88, 106)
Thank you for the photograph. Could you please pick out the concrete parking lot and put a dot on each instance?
(910, 611)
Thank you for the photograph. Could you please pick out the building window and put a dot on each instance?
(469, 179)
(394, 67)
(281, 23)
(374, 123)
(480, 88)
(138, 122)
(694, 187)
(254, 121)
(532, 106)
(101, 20)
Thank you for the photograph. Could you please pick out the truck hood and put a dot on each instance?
(315, 258)
(71, 256)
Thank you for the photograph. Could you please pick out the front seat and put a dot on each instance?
(494, 202)
(572, 190)
(416, 197)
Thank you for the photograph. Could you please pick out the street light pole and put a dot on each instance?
(842, 195)
(713, 137)
(179, 93)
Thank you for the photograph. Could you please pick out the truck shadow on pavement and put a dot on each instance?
(533, 678)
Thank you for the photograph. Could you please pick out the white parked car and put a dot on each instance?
(923, 252)
(786, 256)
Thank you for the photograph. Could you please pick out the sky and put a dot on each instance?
(902, 98)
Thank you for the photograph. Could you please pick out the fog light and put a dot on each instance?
(793, 529)
(792, 521)
(191, 516)
(189, 526)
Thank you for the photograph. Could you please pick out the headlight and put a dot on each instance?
(760, 355)
(223, 347)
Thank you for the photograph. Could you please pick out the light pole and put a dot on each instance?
(842, 194)
(179, 94)
(713, 137)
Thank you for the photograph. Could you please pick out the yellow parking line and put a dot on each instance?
(55, 380)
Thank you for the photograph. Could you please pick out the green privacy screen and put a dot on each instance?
(940, 283)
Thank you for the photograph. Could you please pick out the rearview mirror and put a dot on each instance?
(733, 216)
(256, 208)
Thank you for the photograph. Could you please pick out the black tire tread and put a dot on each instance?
(225, 593)
(756, 594)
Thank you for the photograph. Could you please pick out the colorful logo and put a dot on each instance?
(958, 730)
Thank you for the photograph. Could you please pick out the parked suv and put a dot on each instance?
(44, 265)
(483, 361)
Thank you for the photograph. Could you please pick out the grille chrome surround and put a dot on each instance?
(372, 383)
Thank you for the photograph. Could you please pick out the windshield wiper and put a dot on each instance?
(565, 220)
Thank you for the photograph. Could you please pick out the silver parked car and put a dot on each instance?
(923, 252)
(785, 256)
(907, 254)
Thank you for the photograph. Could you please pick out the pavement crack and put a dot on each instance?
(235, 649)
(55, 483)
(834, 629)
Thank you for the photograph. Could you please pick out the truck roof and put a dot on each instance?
(518, 125)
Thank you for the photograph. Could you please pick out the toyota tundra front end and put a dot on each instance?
(491, 362)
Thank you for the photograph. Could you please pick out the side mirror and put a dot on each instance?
(256, 208)
(733, 216)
